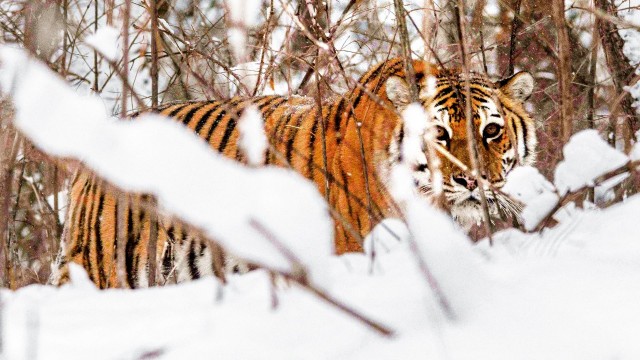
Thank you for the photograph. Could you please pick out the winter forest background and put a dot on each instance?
(561, 284)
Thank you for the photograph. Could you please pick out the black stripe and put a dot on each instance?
(273, 108)
(100, 256)
(221, 115)
(187, 118)
(167, 258)
(204, 118)
(387, 65)
(215, 124)
(443, 100)
(256, 101)
(482, 100)
(139, 227)
(231, 125)
(87, 218)
(202, 249)
(444, 92)
(175, 111)
(389, 70)
(265, 115)
(270, 106)
(292, 138)
(338, 115)
(77, 246)
(282, 127)
(400, 139)
(193, 269)
(267, 103)
(130, 248)
(275, 139)
(312, 142)
(346, 189)
(477, 91)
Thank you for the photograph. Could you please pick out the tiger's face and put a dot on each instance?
(504, 136)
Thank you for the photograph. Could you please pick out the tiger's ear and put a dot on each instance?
(398, 91)
(518, 86)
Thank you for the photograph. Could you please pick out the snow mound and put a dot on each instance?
(538, 195)
(570, 292)
(586, 156)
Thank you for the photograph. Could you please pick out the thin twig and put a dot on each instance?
(121, 218)
(472, 145)
(299, 276)
(564, 70)
(515, 24)
(630, 166)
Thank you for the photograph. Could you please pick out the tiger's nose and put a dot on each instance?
(466, 181)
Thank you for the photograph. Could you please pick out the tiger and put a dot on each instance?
(344, 147)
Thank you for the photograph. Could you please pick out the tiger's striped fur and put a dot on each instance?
(362, 136)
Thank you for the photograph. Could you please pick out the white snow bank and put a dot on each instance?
(538, 195)
(586, 156)
(159, 156)
(570, 293)
(48, 323)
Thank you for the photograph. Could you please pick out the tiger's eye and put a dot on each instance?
(491, 130)
(441, 133)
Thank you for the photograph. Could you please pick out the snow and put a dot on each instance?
(253, 140)
(568, 293)
(586, 156)
(430, 89)
(238, 41)
(539, 196)
(414, 128)
(156, 155)
(105, 41)
(62, 204)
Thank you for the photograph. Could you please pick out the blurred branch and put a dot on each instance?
(621, 70)
(152, 248)
(515, 25)
(122, 199)
(472, 144)
(11, 140)
(153, 5)
(563, 70)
